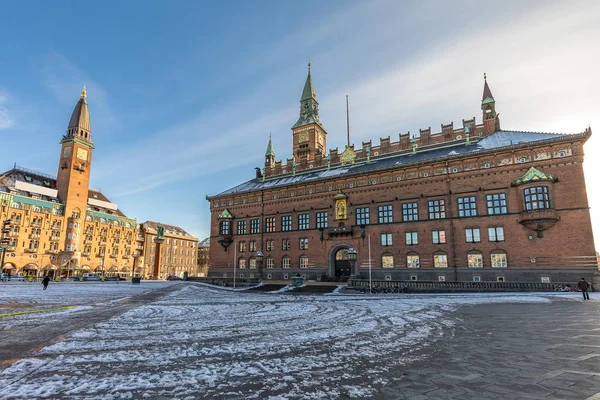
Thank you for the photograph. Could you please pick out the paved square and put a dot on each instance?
(191, 341)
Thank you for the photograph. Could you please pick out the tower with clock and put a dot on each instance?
(309, 137)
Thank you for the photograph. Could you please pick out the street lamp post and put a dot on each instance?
(4, 242)
(259, 261)
(353, 257)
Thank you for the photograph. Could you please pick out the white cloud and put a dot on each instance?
(6, 118)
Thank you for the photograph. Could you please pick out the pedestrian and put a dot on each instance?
(583, 286)
(46, 281)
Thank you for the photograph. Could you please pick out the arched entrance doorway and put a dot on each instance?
(343, 265)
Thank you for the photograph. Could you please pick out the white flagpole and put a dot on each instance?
(234, 262)
(370, 282)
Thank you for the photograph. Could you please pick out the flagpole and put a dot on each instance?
(370, 282)
(234, 263)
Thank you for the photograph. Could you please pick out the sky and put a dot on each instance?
(184, 94)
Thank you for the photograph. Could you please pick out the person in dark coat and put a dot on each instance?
(584, 286)
(46, 281)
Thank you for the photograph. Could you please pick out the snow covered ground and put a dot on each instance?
(204, 342)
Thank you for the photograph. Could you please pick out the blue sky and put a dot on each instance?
(183, 94)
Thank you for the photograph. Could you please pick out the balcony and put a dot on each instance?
(52, 251)
(36, 225)
(126, 256)
(34, 236)
(31, 250)
(113, 256)
(88, 241)
(340, 230)
(85, 253)
(11, 248)
(13, 234)
(539, 220)
(54, 238)
(138, 247)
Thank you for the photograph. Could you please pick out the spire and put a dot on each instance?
(270, 151)
(79, 124)
(487, 93)
(309, 105)
(309, 90)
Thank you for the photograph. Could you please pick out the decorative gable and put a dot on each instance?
(533, 175)
(225, 215)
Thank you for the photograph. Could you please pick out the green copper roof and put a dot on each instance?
(309, 90)
(488, 100)
(533, 175)
(225, 215)
(270, 151)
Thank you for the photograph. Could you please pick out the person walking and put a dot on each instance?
(46, 281)
(583, 286)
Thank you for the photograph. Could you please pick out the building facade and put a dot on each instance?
(176, 256)
(203, 248)
(468, 203)
(58, 225)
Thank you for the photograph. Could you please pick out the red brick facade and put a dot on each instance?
(553, 241)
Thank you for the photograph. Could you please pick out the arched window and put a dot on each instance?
(498, 259)
(475, 259)
(270, 262)
(387, 260)
(303, 261)
(285, 262)
(242, 263)
(440, 260)
(412, 260)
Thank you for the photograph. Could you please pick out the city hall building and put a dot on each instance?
(468, 203)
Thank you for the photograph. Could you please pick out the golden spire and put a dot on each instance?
(83, 93)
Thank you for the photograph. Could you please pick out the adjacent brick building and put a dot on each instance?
(468, 203)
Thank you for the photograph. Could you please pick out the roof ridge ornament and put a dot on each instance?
(84, 93)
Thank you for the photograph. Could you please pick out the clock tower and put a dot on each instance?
(309, 137)
(73, 178)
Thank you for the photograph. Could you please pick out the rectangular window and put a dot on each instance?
(472, 235)
(475, 260)
(303, 262)
(496, 203)
(467, 207)
(241, 247)
(384, 214)
(270, 245)
(545, 279)
(496, 234)
(224, 227)
(322, 221)
(437, 209)
(303, 222)
(286, 223)
(438, 237)
(412, 238)
(255, 226)
(270, 224)
(386, 239)
(285, 244)
(440, 261)
(536, 198)
(412, 261)
(286, 262)
(410, 212)
(387, 261)
(253, 245)
(362, 216)
(270, 262)
(303, 243)
(499, 260)
(242, 264)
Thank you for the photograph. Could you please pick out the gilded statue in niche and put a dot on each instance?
(340, 209)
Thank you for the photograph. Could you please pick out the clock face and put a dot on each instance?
(67, 152)
(82, 154)
(303, 137)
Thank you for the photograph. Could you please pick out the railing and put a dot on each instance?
(436, 286)
(13, 234)
(55, 238)
(31, 250)
(52, 251)
(113, 256)
(11, 248)
(36, 225)
(126, 256)
(34, 236)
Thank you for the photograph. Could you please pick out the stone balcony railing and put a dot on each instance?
(11, 248)
(540, 219)
(31, 250)
(52, 251)
(36, 225)
(34, 236)
(13, 234)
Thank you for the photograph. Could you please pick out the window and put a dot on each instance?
(385, 214)
(496, 234)
(303, 243)
(386, 239)
(242, 263)
(477, 278)
(545, 279)
(437, 209)
(410, 212)
(500, 279)
(286, 223)
(472, 235)
(498, 259)
(496, 203)
(412, 260)
(387, 260)
(285, 244)
(224, 227)
(413, 277)
(252, 263)
(362, 216)
(536, 198)
(270, 224)
(440, 260)
(475, 260)
(438, 237)
(412, 238)
(285, 262)
(270, 245)
(253, 245)
(322, 220)
(303, 222)
(270, 262)
(442, 278)
(303, 262)
(467, 206)
(241, 227)
(255, 226)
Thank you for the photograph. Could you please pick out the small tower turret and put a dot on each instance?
(491, 122)
(270, 155)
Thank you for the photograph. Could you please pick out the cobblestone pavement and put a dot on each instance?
(510, 351)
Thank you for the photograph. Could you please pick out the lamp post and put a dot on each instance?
(352, 257)
(4, 242)
(259, 261)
